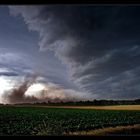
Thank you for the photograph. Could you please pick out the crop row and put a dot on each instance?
(52, 121)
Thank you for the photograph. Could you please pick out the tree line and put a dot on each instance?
(88, 103)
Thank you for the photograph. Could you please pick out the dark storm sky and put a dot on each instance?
(92, 49)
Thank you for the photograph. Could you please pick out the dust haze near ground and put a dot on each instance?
(49, 92)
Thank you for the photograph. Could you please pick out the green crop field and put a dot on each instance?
(61, 121)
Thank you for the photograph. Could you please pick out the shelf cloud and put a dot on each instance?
(99, 45)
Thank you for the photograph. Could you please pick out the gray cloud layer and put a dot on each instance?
(100, 45)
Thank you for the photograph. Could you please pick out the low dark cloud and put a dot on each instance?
(8, 74)
(99, 44)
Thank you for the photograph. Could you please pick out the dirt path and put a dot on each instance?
(111, 131)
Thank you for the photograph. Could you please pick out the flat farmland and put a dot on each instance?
(62, 120)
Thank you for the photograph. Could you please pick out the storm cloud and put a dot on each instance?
(30, 90)
(99, 45)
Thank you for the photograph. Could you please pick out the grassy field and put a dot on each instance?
(62, 121)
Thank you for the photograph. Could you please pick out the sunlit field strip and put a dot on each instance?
(115, 107)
